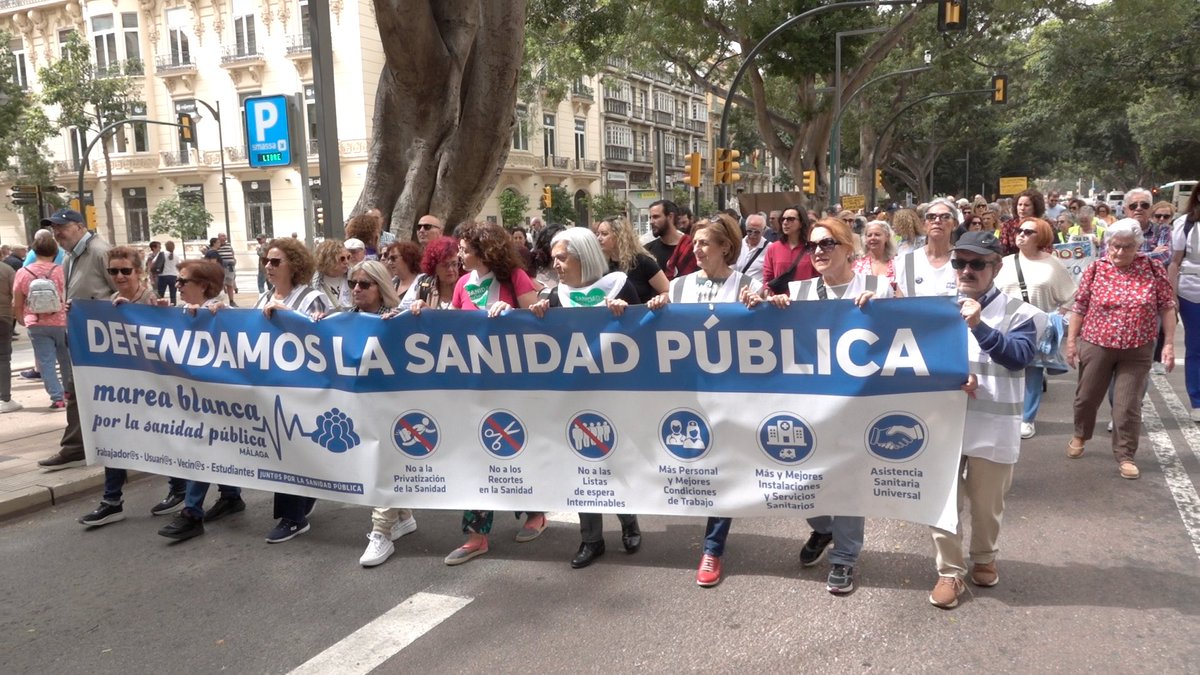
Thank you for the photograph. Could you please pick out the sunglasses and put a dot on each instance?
(1027, 232)
(827, 244)
(181, 282)
(114, 271)
(976, 264)
(1138, 206)
(977, 222)
(343, 258)
(274, 262)
(426, 226)
(361, 284)
(938, 216)
(750, 231)
(788, 219)
(1162, 216)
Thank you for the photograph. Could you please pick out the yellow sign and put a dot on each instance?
(1013, 185)
(853, 202)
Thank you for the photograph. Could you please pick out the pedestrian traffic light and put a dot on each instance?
(999, 89)
(878, 178)
(810, 182)
(732, 166)
(694, 177)
(547, 197)
(24, 195)
(186, 132)
(952, 15)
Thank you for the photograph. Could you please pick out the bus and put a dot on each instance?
(1177, 192)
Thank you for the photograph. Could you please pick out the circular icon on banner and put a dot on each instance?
(592, 436)
(896, 437)
(786, 438)
(502, 434)
(685, 434)
(415, 434)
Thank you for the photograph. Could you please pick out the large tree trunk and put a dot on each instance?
(445, 107)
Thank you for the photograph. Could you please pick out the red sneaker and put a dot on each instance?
(709, 573)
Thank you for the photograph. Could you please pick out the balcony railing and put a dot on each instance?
(174, 158)
(171, 63)
(299, 44)
(695, 125)
(232, 54)
(617, 153)
(615, 106)
(663, 117)
(582, 91)
(641, 157)
(557, 162)
(639, 111)
(590, 165)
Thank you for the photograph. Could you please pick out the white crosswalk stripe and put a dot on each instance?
(1183, 491)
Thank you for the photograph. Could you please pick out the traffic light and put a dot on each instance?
(810, 182)
(952, 15)
(732, 166)
(719, 167)
(547, 197)
(693, 177)
(24, 195)
(878, 178)
(186, 131)
(999, 89)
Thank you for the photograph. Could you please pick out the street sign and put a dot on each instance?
(853, 202)
(24, 195)
(268, 131)
(1013, 185)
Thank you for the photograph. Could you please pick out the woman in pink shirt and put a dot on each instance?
(47, 331)
(788, 257)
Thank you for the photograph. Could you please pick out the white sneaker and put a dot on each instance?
(1196, 414)
(379, 549)
(10, 406)
(1027, 430)
(1158, 368)
(404, 527)
(1109, 427)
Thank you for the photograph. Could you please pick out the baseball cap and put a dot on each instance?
(982, 243)
(62, 217)
(353, 244)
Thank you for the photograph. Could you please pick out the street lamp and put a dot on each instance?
(216, 113)
(835, 149)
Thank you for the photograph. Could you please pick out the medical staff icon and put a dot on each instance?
(685, 434)
(416, 434)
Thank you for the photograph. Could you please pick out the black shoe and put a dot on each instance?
(286, 530)
(840, 580)
(58, 461)
(814, 548)
(103, 515)
(588, 552)
(631, 537)
(170, 504)
(225, 506)
(182, 527)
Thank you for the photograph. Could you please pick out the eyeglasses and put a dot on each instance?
(181, 282)
(976, 222)
(1138, 206)
(361, 284)
(427, 226)
(392, 258)
(343, 258)
(1162, 216)
(788, 219)
(114, 271)
(274, 262)
(938, 216)
(827, 244)
(750, 231)
(1027, 232)
(976, 264)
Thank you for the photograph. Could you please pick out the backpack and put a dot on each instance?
(43, 297)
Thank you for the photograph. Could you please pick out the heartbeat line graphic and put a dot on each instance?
(280, 427)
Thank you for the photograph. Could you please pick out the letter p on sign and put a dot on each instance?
(266, 115)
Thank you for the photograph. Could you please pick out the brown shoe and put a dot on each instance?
(985, 574)
(945, 593)
(1129, 470)
(58, 462)
(1074, 451)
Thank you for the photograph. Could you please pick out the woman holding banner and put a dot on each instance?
(496, 282)
(717, 244)
(289, 267)
(582, 282)
(1037, 277)
(831, 245)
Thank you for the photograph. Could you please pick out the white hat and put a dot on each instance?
(352, 244)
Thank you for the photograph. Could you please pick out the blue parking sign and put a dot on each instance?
(268, 130)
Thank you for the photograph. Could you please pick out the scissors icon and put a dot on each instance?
(498, 435)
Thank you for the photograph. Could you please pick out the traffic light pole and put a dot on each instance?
(83, 158)
(220, 142)
(888, 126)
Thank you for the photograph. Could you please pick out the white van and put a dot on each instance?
(1116, 203)
(1177, 192)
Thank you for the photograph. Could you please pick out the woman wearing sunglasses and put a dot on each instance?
(330, 278)
(124, 268)
(717, 244)
(926, 271)
(831, 245)
(1037, 277)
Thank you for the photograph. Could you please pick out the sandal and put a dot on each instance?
(1074, 451)
(1129, 470)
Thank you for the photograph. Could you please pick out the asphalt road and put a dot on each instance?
(1098, 574)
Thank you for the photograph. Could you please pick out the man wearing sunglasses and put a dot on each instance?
(1001, 342)
(429, 227)
(87, 279)
(1157, 236)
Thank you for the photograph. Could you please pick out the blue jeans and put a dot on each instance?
(293, 507)
(715, 534)
(1034, 376)
(193, 499)
(114, 480)
(167, 283)
(49, 346)
(1189, 312)
(847, 536)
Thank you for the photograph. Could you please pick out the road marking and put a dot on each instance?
(1191, 433)
(366, 648)
(1183, 491)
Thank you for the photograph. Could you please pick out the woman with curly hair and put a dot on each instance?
(403, 261)
(625, 254)
(440, 270)
(366, 227)
(910, 236)
(332, 261)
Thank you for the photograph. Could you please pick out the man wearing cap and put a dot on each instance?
(84, 264)
(1001, 341)
(357, 250)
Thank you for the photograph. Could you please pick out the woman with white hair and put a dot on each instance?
(880, 256)
(371, 289)
(1122, 299)
(926, 271)
(584, 281)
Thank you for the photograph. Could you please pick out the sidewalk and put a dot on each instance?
(33, 433)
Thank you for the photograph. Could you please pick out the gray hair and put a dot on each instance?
(1140, 190)
(1125, 227)
(377, 272)
(947, 202)
(583, 246)
(43, 233)
(1085, 211)
(759, 215)
(889, 237)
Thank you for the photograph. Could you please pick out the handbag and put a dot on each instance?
(780, 283)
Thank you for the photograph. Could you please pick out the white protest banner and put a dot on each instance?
(821, 408)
